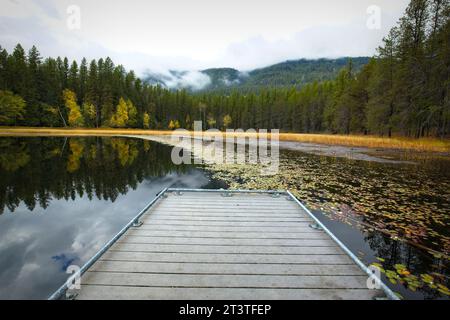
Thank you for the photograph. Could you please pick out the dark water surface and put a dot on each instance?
(393, 215)
(62, 199)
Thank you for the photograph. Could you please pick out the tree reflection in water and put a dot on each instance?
(38, 170)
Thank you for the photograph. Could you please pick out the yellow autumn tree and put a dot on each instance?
(211, 121)
(146, 120)
(146, 145)
(227, 121)
(89, 113)
(120, 118)
(70, 101)
(13, 156)
(127, 152)
(132, 114)
(174, 124)
(76, 153)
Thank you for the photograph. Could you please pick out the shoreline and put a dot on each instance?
(372, 142)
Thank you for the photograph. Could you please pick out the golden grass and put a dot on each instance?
(424, 144)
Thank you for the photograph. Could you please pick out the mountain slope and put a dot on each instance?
(290, 73)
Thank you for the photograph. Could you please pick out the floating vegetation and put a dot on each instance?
(401, 275)
(405, 203)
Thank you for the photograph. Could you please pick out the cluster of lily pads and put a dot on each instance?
(401, 275)
(398, 200)
(409, 203)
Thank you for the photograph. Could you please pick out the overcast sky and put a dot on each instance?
(198, 34)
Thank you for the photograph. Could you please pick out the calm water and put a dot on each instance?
(396, 215)
(61, 199)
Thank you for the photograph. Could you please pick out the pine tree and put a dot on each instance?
(73, 80)
(83, 76)
(34, 83)
(19, 71)
(92, 92)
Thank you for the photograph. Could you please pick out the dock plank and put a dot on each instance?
(225, 281)
(146, 247)
(205, 268)
(142, 293)
(228, 242)
(226, 258)
(228, 234)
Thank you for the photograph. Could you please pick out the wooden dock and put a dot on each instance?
(204, 245)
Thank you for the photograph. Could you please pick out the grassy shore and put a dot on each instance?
(424, 144)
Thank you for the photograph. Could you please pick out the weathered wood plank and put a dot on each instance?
(234, 196)
(134, 293)
(227, 258)
(275, 250)
(225, 213)
(225, 281)
(224, 207)
(228, 219)
(206, 268)
(230, 242)
(227, 235)
(223, 229)
(229, 203)
(226, 223)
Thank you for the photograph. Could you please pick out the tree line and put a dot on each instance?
(403, 90)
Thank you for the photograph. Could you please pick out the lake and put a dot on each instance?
(62, 199)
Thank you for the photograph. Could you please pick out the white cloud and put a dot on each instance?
(197, 34)
(193, 80)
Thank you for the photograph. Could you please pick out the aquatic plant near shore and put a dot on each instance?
(407, 204)
(402, 205)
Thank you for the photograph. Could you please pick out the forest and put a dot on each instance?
(402, 91)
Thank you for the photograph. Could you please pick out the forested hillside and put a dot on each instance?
(404, 90)
(296, 73)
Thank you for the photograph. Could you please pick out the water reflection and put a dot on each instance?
(395, 214)
(62, 199)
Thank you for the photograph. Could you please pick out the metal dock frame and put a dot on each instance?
(63, 289)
